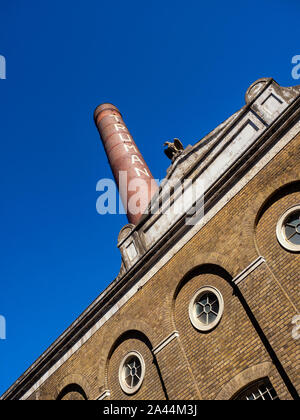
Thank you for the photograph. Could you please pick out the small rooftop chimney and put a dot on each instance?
(125, 159)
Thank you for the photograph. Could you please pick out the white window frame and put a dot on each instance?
(280, 230)
(192, 312)
(127, 389)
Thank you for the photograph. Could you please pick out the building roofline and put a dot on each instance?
(128, 278)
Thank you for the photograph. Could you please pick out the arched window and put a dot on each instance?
(260, 390)
(132, 372)
(206, 308)
(288, 229)
(72, 392)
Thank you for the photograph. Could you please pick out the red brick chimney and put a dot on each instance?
(125, 160)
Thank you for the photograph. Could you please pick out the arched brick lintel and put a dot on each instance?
(240, 381)
(129, 325)
(75, 379)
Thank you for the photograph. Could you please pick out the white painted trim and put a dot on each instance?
(165, 342)
(105, 394)
(127, 389)
(248, 270)
(166, 258)
(195, 320)
(280, 230)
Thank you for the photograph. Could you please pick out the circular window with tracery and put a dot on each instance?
(132, 372)
(206, 308)
(288, 229)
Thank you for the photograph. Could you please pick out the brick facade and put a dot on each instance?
(196, 365)
(253, 339)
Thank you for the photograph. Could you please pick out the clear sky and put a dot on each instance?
(174, 69)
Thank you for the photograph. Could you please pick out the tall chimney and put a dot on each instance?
(126, 161)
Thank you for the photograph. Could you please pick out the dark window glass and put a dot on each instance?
(262, 390)
(292, 228)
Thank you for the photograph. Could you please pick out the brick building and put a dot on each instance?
(204, 310)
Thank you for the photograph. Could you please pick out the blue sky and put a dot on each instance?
(174, 69)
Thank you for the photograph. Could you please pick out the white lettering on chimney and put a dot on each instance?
(144, 171)
(128, 146)
(116, 117)
(125, 139)
(120, 127)
(135, 158)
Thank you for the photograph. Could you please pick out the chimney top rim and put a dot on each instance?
(104, 107)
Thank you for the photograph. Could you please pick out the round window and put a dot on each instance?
(288, 229)
(132, 372)
(206, 308)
